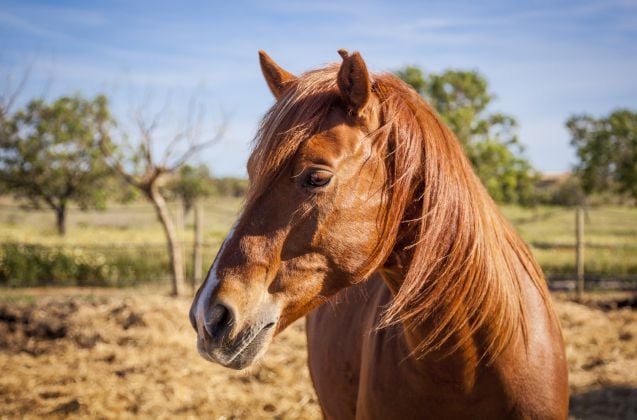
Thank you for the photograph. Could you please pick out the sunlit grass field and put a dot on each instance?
(610, 238)
(118, 224)
(119, 246)
(610, 233)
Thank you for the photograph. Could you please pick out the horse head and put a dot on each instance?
(311, 222)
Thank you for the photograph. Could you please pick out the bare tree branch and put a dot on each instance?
(10, 94)
(146, 135)
(147, 180)
(186, 133)
(116, 165)
(197, 147)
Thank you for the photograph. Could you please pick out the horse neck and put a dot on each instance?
(458, 358)
(455, 362)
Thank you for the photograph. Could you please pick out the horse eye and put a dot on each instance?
(316, 179)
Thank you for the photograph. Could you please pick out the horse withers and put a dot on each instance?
(361, 197)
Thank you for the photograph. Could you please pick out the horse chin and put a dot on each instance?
(241, 352)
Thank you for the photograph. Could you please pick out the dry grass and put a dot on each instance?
(601, 349)
(135, 356)
(131, 354)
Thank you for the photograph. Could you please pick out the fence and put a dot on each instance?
(121, 246)
(125, 245)
(584, 249)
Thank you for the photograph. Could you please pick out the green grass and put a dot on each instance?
(610, 238)
(604, 226)
(128, 239)
(131, 224)
(121, 246)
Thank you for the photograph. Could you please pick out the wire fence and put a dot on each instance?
(598, 248)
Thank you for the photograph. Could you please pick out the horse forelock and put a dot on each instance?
(294, 118)
(461, 263)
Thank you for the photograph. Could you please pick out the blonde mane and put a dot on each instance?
(461, 263)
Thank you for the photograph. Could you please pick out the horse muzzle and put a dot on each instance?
(220, 340)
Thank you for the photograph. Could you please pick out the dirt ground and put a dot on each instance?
(114, 355)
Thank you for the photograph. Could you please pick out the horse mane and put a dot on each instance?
(461, 263)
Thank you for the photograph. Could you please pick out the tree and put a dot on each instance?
(230, 186)
(138, 164)
(606, 149)
(191, 184)
(49, 153)
(507, 177)
(462, 99)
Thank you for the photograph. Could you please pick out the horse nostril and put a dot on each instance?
(218, 321)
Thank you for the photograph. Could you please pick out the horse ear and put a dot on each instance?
(275, 76)
(353, 81)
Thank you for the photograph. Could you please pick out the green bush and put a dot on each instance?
(23, 265)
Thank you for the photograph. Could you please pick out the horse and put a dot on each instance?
(364, 214)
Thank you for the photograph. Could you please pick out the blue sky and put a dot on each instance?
(545, 60)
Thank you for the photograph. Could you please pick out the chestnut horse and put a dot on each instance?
(361, 198)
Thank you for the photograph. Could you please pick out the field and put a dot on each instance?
(117, 245)
(121, 246)
(133, 224)
(112, 353)
(130, 353)
(610, 238)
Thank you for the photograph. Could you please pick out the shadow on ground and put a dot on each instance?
(612, 402)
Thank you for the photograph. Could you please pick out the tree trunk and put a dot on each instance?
(196, 257)
(60, 215)
(174, 246)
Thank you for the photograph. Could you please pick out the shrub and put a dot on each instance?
(25, 265)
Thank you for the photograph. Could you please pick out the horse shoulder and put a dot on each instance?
(536, 375)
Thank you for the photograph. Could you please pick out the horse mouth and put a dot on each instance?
(241, 352)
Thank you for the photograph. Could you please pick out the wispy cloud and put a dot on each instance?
(68, 15)
(306, 7)
(30, 28)
(543, 59)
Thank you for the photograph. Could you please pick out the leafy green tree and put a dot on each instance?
(231, 186)
(507, 177)
(462, 99)
(49, 153)
(606, 149)
(191, 184)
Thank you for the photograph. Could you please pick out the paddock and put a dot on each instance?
(114, 353)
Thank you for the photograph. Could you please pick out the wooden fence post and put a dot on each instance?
(579, 251)
(196, 256)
